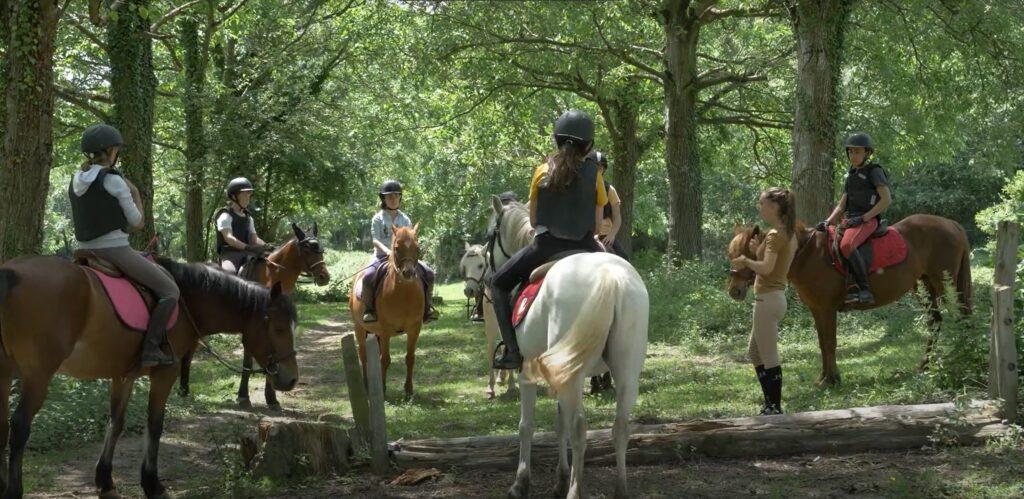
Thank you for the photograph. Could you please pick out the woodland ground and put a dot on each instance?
(695, 369)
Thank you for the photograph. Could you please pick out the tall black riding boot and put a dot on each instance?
(156, 335)
(860, 273)
(370, 297)
(773, 383)
(764, 384)
(510, 357)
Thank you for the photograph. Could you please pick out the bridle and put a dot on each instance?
(494, 240)
(308, 267)
(273, 361)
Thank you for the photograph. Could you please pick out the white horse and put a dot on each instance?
(590, 315)
(475, 270)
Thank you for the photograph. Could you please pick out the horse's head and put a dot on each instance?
(746, 241)
(405, 252)
(272, 342)
(311, 254)
(473, 266)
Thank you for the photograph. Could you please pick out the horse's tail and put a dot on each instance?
(8, 279)
(963, 277)
(585, 338)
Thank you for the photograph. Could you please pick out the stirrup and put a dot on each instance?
(865, 297)
(369, 317)
(506, 360)
(852, 295)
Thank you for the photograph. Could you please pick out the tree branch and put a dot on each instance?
(172, 14)
(82, 103)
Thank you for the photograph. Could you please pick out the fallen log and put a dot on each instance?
(843, 431)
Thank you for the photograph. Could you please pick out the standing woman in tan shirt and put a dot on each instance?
(777, 206)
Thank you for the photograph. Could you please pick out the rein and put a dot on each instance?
(272, 366)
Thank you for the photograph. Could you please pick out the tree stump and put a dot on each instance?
(292, 449)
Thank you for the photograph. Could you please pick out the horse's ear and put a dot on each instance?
(467, 245)
(299, 234)
(737, 229)
(416, 228)
(316, 230)
(756, 231)
(394, 229)
(275, 291)
(496, 204)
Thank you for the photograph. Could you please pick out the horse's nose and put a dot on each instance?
(735, 293)
(469, 292)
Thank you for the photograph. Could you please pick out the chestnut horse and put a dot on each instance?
(86, 340)
(400, 302)
(300, 255)
(937, 248)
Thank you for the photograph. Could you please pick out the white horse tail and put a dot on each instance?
(585, 339)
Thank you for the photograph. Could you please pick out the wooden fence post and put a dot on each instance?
(378, 429)
(1003, 383)
(356, 388)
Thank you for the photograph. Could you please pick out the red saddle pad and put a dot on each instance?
(128, 303)
(525, 301)
(888, 250)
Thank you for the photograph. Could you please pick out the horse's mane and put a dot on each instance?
(518, 226)
(247, 296)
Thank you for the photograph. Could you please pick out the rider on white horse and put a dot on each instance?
(567, 197)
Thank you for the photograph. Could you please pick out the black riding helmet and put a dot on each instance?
(574, 125)
(860, 139)
(389, 187)
(99, 138)
(236, 185)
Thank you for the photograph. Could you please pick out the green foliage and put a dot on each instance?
(77, 411)
(342, 265)
(1010, 206)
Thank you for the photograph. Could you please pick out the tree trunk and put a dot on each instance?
(195, 138)
(28, 114)
(133, 90)
(621, 119)
(682, 157)
(819, 29)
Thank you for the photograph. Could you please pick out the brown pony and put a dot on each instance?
(400, 301)
(937, 248)
(300, 255)
(86, 340)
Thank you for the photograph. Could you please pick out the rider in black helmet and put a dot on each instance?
(866, 195)
(105, 206)
(236, 230)
(567, 197)
(390, 195)
(612, 221)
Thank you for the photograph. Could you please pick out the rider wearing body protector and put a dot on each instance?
(104, 207)
(866, 195)
(567, 198)
(236, 229)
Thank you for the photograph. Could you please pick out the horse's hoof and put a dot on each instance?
(274, 406)
(490, 394)
(562, 487)
(621, 491)
(828, 381)
(109, 494)
(184, 392)
(519, 490)
(244, 403)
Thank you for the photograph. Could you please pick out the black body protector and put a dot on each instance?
(240, 229)
(569, 214)
(96, 212)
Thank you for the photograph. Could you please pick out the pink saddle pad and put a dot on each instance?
(128, 303)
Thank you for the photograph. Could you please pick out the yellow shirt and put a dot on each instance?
(607, 223)
(538, 175)
(785, 249)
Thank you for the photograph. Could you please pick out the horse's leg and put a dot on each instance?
(825, 324)
(243, 385)
(120, 394)
(527, 401)
(186, 372)
(410, 359)
(562, 472)
(627, 388)
(160, 382)
(33, 393)
(5, 428)
(574, 420)
(491, 372)
(511, 375)
(936, 290)
(385, 360)
(271, 395)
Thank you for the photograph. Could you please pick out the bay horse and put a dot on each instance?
(302, 254)
(400, 303)
(475, 270)
(86, 340)
(937, 248)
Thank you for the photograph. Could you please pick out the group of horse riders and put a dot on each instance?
(571, 205)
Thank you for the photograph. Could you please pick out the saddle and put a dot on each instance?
(884, 248)
(132, 301)
(528, 293)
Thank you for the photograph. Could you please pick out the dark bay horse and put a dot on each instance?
(400, 301)
(937, 249)
(86, 340)
(300, 255)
